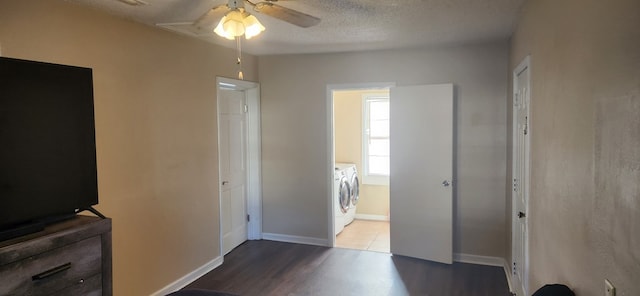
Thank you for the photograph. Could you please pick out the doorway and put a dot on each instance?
(238, 109)
(420, 158)
(360, 137)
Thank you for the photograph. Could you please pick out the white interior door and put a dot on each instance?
(421, 163)
(232, 142)
(521, 134)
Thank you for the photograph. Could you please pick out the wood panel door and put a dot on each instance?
(520, 193)
(232, 144)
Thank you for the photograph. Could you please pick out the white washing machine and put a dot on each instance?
(351, 173)
(342, 198)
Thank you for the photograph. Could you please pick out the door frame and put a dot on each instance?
(523, 286)
(330, 169)
(253, 157)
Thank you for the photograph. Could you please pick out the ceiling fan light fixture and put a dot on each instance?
(253, 27)
(231, 25)
(236, 23)
(221, 32)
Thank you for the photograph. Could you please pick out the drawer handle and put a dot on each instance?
(51, 272)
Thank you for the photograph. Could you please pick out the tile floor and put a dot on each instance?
(365, 235)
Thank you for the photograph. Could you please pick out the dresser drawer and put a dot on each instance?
(89, 287)
(52, 271)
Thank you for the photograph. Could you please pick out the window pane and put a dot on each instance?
(378, 165)
(379, 110)
(376, 136)
(379, 147)
(379, 128)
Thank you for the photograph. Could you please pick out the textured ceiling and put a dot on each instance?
(347, 25)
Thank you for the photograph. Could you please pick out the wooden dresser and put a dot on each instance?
(72, 257)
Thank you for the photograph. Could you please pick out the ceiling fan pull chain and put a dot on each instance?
(239, 62)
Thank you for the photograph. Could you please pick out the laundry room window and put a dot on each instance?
(375, 139)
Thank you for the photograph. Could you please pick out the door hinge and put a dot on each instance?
(248, 218)
(246, 108)
(526, 125)
(515, 185)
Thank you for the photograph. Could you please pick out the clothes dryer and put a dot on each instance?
(342, 199)
(351, 173)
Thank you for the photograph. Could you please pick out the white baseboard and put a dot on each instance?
(190, 277)
(477, 259)
(295, 239)
(372, 217)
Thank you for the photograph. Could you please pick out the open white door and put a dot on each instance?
(421, 163)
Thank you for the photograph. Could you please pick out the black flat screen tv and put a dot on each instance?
(47, 144)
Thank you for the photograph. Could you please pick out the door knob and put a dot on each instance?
(446, 183)
(521, 215)
(225, 183)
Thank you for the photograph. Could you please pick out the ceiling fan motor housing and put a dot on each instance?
(234, 4)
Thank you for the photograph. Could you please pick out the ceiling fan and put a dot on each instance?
(205, 24)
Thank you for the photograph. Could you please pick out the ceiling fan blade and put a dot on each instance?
(288, 15)
(203, 26)
(209, 20)
(134, 2)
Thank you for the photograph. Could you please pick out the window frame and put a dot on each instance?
(367, 178)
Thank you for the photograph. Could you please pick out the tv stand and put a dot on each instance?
(72, 257)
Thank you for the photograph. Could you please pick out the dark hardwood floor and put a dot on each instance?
(275, 268)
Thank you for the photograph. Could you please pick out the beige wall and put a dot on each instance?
(294, 133)
(584, 210)
(347, 106)
(155, 127)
